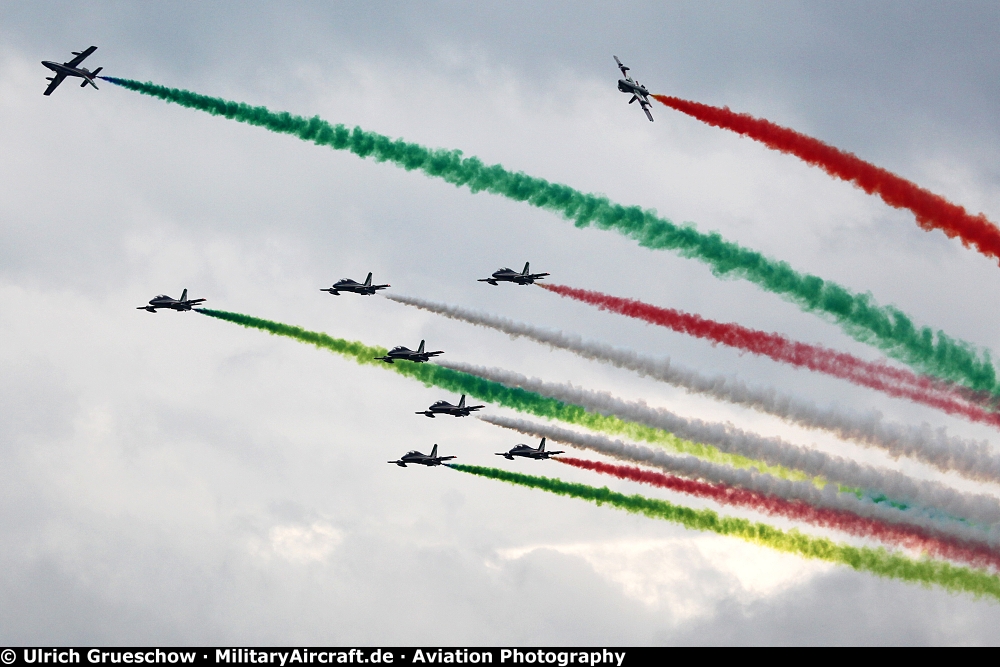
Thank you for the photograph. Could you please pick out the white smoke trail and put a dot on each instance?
(980, 508)
(972, 459)
(691, 467)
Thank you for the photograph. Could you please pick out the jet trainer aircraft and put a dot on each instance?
(406, 354)
(636, 89)
(528, 452)
(71, 68)
(419, 458)
(164, 301)
(511, 276)
(348, 285)
(446, 408)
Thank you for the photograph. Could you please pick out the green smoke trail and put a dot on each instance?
(515, 398)
(877, 561)
(884, 327)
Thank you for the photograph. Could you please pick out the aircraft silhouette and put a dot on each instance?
(419, 458)
(406, 354)
(348, 285)
(638, 91)
(511, 276)
(71, 68)
(164, 301)
(528, 452)
(446, 408)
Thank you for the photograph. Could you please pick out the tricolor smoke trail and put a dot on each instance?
(972, 459)
(885, 327)
(895, 382)
(926, 494)
(908, 537)
(864, 559)
(640, 422)
(932, 211)
(826, 498)
(496, 393)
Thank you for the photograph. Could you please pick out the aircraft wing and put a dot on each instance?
(645, 107)
(56, 80)
(80, 57)
(621, 66)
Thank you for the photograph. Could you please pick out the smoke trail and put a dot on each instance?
(688, 466)
(974, 460)
(885, 327)
(638, 421)
(496, 393)
(527, 401)
(863, 559)
(905, 536)
(895, 382)
(932, 211)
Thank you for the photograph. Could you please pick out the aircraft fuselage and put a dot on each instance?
(632, 88)
(60, 68)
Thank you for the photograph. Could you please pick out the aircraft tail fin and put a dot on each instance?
(421, 348)
(96, 71)
(434, 452)
(541, 447)
(525, 272)
(184, 295)
(461, 402)
(368, 280)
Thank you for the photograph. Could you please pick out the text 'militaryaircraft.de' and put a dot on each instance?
(446, 408)
(348, 285)
(528, 452)
(164, 301)
(506, 275)
(406, 354)
(71, 68)
(419, 458)
(636, 89)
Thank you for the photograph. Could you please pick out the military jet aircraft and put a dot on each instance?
(348, 285)
(71, 68)
(636, 89)
(512, 276)
(164, 301)
(413, 456)
(446, 408)
(528, 452)
(407, 354)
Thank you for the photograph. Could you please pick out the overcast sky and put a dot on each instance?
(173, 478)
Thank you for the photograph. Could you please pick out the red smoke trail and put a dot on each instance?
(907, 536)
(896, 382)
(932, 211)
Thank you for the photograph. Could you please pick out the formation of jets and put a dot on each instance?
(506, 275)
(446, 408)
(348, 285)
(636, 89)
(170, 303)
(529, 452)
(71, 68)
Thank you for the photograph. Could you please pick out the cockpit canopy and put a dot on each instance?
(162, 296)
(414, 452)
(505, 269)
(438, 404)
